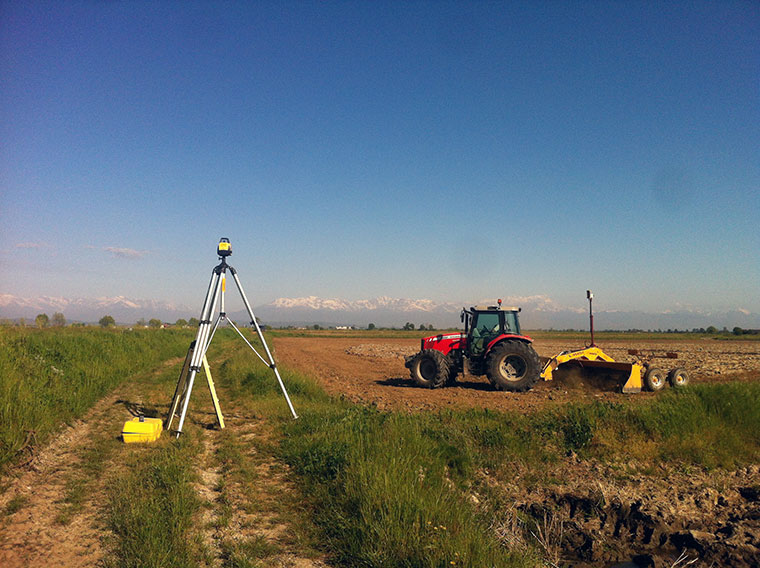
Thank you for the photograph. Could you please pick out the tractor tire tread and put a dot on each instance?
(513, 348)
(431, 369)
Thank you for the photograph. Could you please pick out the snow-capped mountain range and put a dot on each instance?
(538, 312)
(381, 303)
(387, 311)
(123, 309)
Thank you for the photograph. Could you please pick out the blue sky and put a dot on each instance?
(451, 151)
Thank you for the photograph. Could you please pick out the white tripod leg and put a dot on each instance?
(201, 343)
(272, 364)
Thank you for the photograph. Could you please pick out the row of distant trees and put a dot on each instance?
(408, 326)
(59, 320)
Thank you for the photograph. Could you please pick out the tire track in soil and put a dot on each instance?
(239, 511)
(207, 489)
(32, 535)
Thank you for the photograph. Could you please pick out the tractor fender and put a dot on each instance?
(505, 337)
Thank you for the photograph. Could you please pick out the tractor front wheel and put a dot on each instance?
(430, 369)
(512, 366)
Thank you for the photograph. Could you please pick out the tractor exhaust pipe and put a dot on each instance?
(590, 296)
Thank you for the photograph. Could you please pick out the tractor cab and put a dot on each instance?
(483, 324)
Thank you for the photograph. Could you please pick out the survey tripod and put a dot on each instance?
(196, 354)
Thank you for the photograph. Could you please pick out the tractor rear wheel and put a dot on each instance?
(431, 369)
(512, 366)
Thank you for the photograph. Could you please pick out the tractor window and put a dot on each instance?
(485, 326)
(511, 324)
(487, 323)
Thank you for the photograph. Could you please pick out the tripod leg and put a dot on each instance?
(180, 390)
(201, 344)
(272, 364)
(213, 331)
(212, 390)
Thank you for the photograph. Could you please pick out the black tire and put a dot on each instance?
(654, 379)
(453, 374)
(678, 378)
(430, 369)
(512, 366)
(455, 366)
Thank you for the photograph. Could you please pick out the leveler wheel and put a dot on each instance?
(678, 378)
(430, 369)
(512, 366)
(654, 379)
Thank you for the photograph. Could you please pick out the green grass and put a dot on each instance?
(389, 489)
(92, 462)
(249, 553)
(15, 504)
(49, 377)
(151, 509)
(708, 426)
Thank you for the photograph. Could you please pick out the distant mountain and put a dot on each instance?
(381, 303)
(382, 311)
(122, 309)
(538, 312)
(395, 312)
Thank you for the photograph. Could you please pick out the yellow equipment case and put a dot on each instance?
(141, 429)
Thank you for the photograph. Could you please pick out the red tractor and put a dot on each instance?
(491, 343)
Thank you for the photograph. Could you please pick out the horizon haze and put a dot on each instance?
(538, 312)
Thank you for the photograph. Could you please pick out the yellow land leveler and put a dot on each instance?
(637, 375)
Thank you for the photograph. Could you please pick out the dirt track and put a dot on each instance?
(371, 371)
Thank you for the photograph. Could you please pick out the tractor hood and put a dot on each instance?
(447, 342)
(444, 342)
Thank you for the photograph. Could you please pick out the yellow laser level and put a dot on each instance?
(224, 248)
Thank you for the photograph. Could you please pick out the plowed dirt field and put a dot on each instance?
(371, 371)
